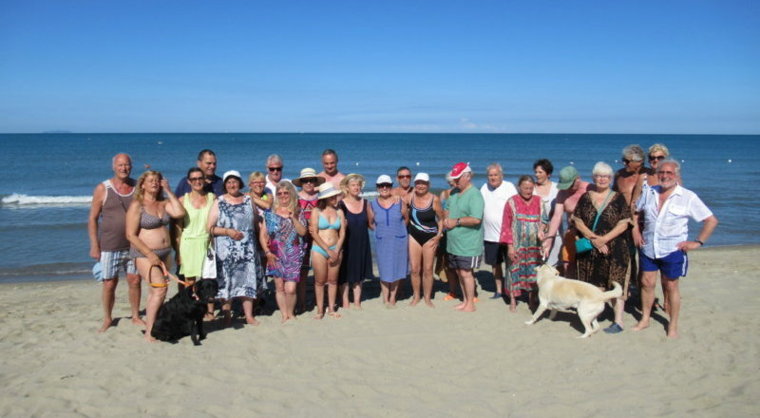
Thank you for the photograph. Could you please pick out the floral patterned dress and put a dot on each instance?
(519, 227)
(237, 262)
(286, 245)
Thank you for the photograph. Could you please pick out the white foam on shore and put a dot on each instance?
(23, 200)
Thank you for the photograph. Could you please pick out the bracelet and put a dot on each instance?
(459, 221)
(702, 244)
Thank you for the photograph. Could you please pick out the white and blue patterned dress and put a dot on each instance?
(238, 264)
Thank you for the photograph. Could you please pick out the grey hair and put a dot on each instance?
(274, 158)
(602, 169)
(633, 152)
(496, 166)
(672, 162)
(113, 160)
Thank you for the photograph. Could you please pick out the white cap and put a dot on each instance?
(422, 177)
(384, 179)
(231, 173)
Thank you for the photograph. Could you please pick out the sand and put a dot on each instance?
(389, 362)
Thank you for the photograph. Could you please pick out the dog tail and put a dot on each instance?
(616, 292)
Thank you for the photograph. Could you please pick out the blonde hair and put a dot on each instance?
(659, 147)
(256, 175)
(293, 205)
(138, 188)
(348, 179)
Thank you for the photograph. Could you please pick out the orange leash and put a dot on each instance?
(166, 274)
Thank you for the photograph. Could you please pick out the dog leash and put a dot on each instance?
(166, 273)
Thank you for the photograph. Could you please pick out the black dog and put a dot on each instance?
(183, 314)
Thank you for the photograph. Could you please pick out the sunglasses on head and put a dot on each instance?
(275, 168)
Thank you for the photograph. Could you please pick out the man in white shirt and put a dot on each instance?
(666, 209)
(274, 175)
(495, 193)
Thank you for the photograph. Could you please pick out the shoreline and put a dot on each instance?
(389, 362)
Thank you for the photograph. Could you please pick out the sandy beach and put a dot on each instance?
(389, 362)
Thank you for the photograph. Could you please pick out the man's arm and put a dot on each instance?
(96, 207)
(708, 226)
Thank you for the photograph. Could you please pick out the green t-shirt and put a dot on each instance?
(466, 241)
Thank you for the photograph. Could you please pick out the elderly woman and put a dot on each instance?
(357, 259)
(148, 234)
(327, 228)
(547, 190)
(522, 230)
(602, 216)
(231, 222)
(425, 228)
(281, 235)
(389, 219)
(657, 153)
(308, 181)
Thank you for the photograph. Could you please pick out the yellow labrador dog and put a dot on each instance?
(560, 294)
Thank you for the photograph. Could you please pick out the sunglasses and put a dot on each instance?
(384, 186)
(658, 158)
(406, 176)
(275, 168)
(627, 161)
(195, 179)
(312, 181)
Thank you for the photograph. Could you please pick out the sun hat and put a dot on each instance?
(459, 169)
(327, 190)
(384, 179)
(566, 177)
(308, 173)
(422, 177)
(231, 173)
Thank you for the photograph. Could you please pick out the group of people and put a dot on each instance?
(274, 234)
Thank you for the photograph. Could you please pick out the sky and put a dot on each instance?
(380, 66)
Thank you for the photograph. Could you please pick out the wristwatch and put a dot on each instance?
(459, 221)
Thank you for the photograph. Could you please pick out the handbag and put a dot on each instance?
(208, 271)
(583, 245)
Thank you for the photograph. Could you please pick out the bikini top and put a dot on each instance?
(325, 224)
(148, 221)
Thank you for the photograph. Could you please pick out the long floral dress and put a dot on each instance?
(237, 262)
(520, 225)
(286, 245)
(594, 267)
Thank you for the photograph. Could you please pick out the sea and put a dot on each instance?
(45, 201)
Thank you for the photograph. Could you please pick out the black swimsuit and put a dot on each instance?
(423, 225)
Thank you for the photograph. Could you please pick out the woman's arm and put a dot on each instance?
(173, 207)
(370, 216)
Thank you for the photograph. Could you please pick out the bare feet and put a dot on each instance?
(107, 323)
(641, 325)
(414, 301)
(358, 306)
(512, 307)
(138, 321)
(467, 307)
(459, 307)
(672, 334)
(149, 338)
(253, 321)
(334, 315)
(208, 317)
(319, 315)
(429, 303)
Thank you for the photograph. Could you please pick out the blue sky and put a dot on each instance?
(380, 66)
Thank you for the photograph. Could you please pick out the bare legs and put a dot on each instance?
(356, 289)
(421, 259)
(108, 297)
(156, 295)
(467, 281)
(286, 298)
(672, 295)
(248, 304)
(324, 273)
(389, 292)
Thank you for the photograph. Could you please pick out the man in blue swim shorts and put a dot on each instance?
(666, 209)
